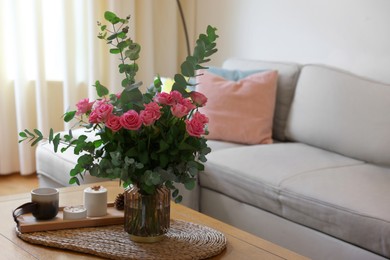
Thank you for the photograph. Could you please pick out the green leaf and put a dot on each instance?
(202, 158)
(157, 83)
(193, 171)
(56, 141)
(102, 36)
(144, 157)
(188, 69)
(179, 199)
(181, 81)
(29, 133)
(111, 37)
(51, 134)
(175, 193)
(37, 132)
(85, 160)
(169, 185)
(23, 134)
(148, 189)
(132, 96)
(103, 27)
(164, 160)
(115, 51)
(185, 146)
(39, 138)
(121, 35)
(132, 152)
(163, 146)
(69, 116)
(97, 143)
(125, 83)
(100, 89)
(74, 180)
(155, 178)
(116, 20)
(94, 170)
(133, 52)
(211, 33)
(109, 16)
(116, 158)
(190, 185)
(122, 45)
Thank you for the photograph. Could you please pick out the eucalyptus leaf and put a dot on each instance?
(178, 199)
(74, 180)
(115, 51)
(190, 185)
(51, 134)
(109, 16)
(100, 89)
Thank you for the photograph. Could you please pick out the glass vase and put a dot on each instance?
(147, 217)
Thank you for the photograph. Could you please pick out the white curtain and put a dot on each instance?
(50, 57)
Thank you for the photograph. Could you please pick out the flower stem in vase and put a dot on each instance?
(147, 217)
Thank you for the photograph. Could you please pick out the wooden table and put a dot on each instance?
(241, 245)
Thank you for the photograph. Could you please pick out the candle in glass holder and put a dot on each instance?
(95, 201)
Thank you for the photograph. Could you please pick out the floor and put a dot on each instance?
(15, 183)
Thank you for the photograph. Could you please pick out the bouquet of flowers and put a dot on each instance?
(146, 139)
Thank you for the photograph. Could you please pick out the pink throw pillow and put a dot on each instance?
(239, 111)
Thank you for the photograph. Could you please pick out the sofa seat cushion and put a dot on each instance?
(254, 174)
(219, 145)
(331, 193)
(350, 203)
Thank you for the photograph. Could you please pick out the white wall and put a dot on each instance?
(350, 34)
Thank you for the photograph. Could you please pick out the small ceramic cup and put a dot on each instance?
(95, 201)
(43, 205)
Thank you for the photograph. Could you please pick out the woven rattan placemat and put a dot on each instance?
(184, 240)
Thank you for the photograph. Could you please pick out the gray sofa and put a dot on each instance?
(321, 189)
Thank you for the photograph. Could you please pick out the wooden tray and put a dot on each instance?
(27, 223)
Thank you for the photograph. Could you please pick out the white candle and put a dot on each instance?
(75, 212)
(95, 201)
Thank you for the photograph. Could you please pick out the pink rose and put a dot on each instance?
(151, 113)
(200, 117)
(98, 103)
(187, 103)
(198, 98)
(179, 110)
(94, 118)
(164, 99)
(131, 120)
(102, 110)
(194, 127)
(83, 106)
(176, 95)
(153, 107)
(113, 122)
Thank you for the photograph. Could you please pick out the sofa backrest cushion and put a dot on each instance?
(287, 78)
(341, 112)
